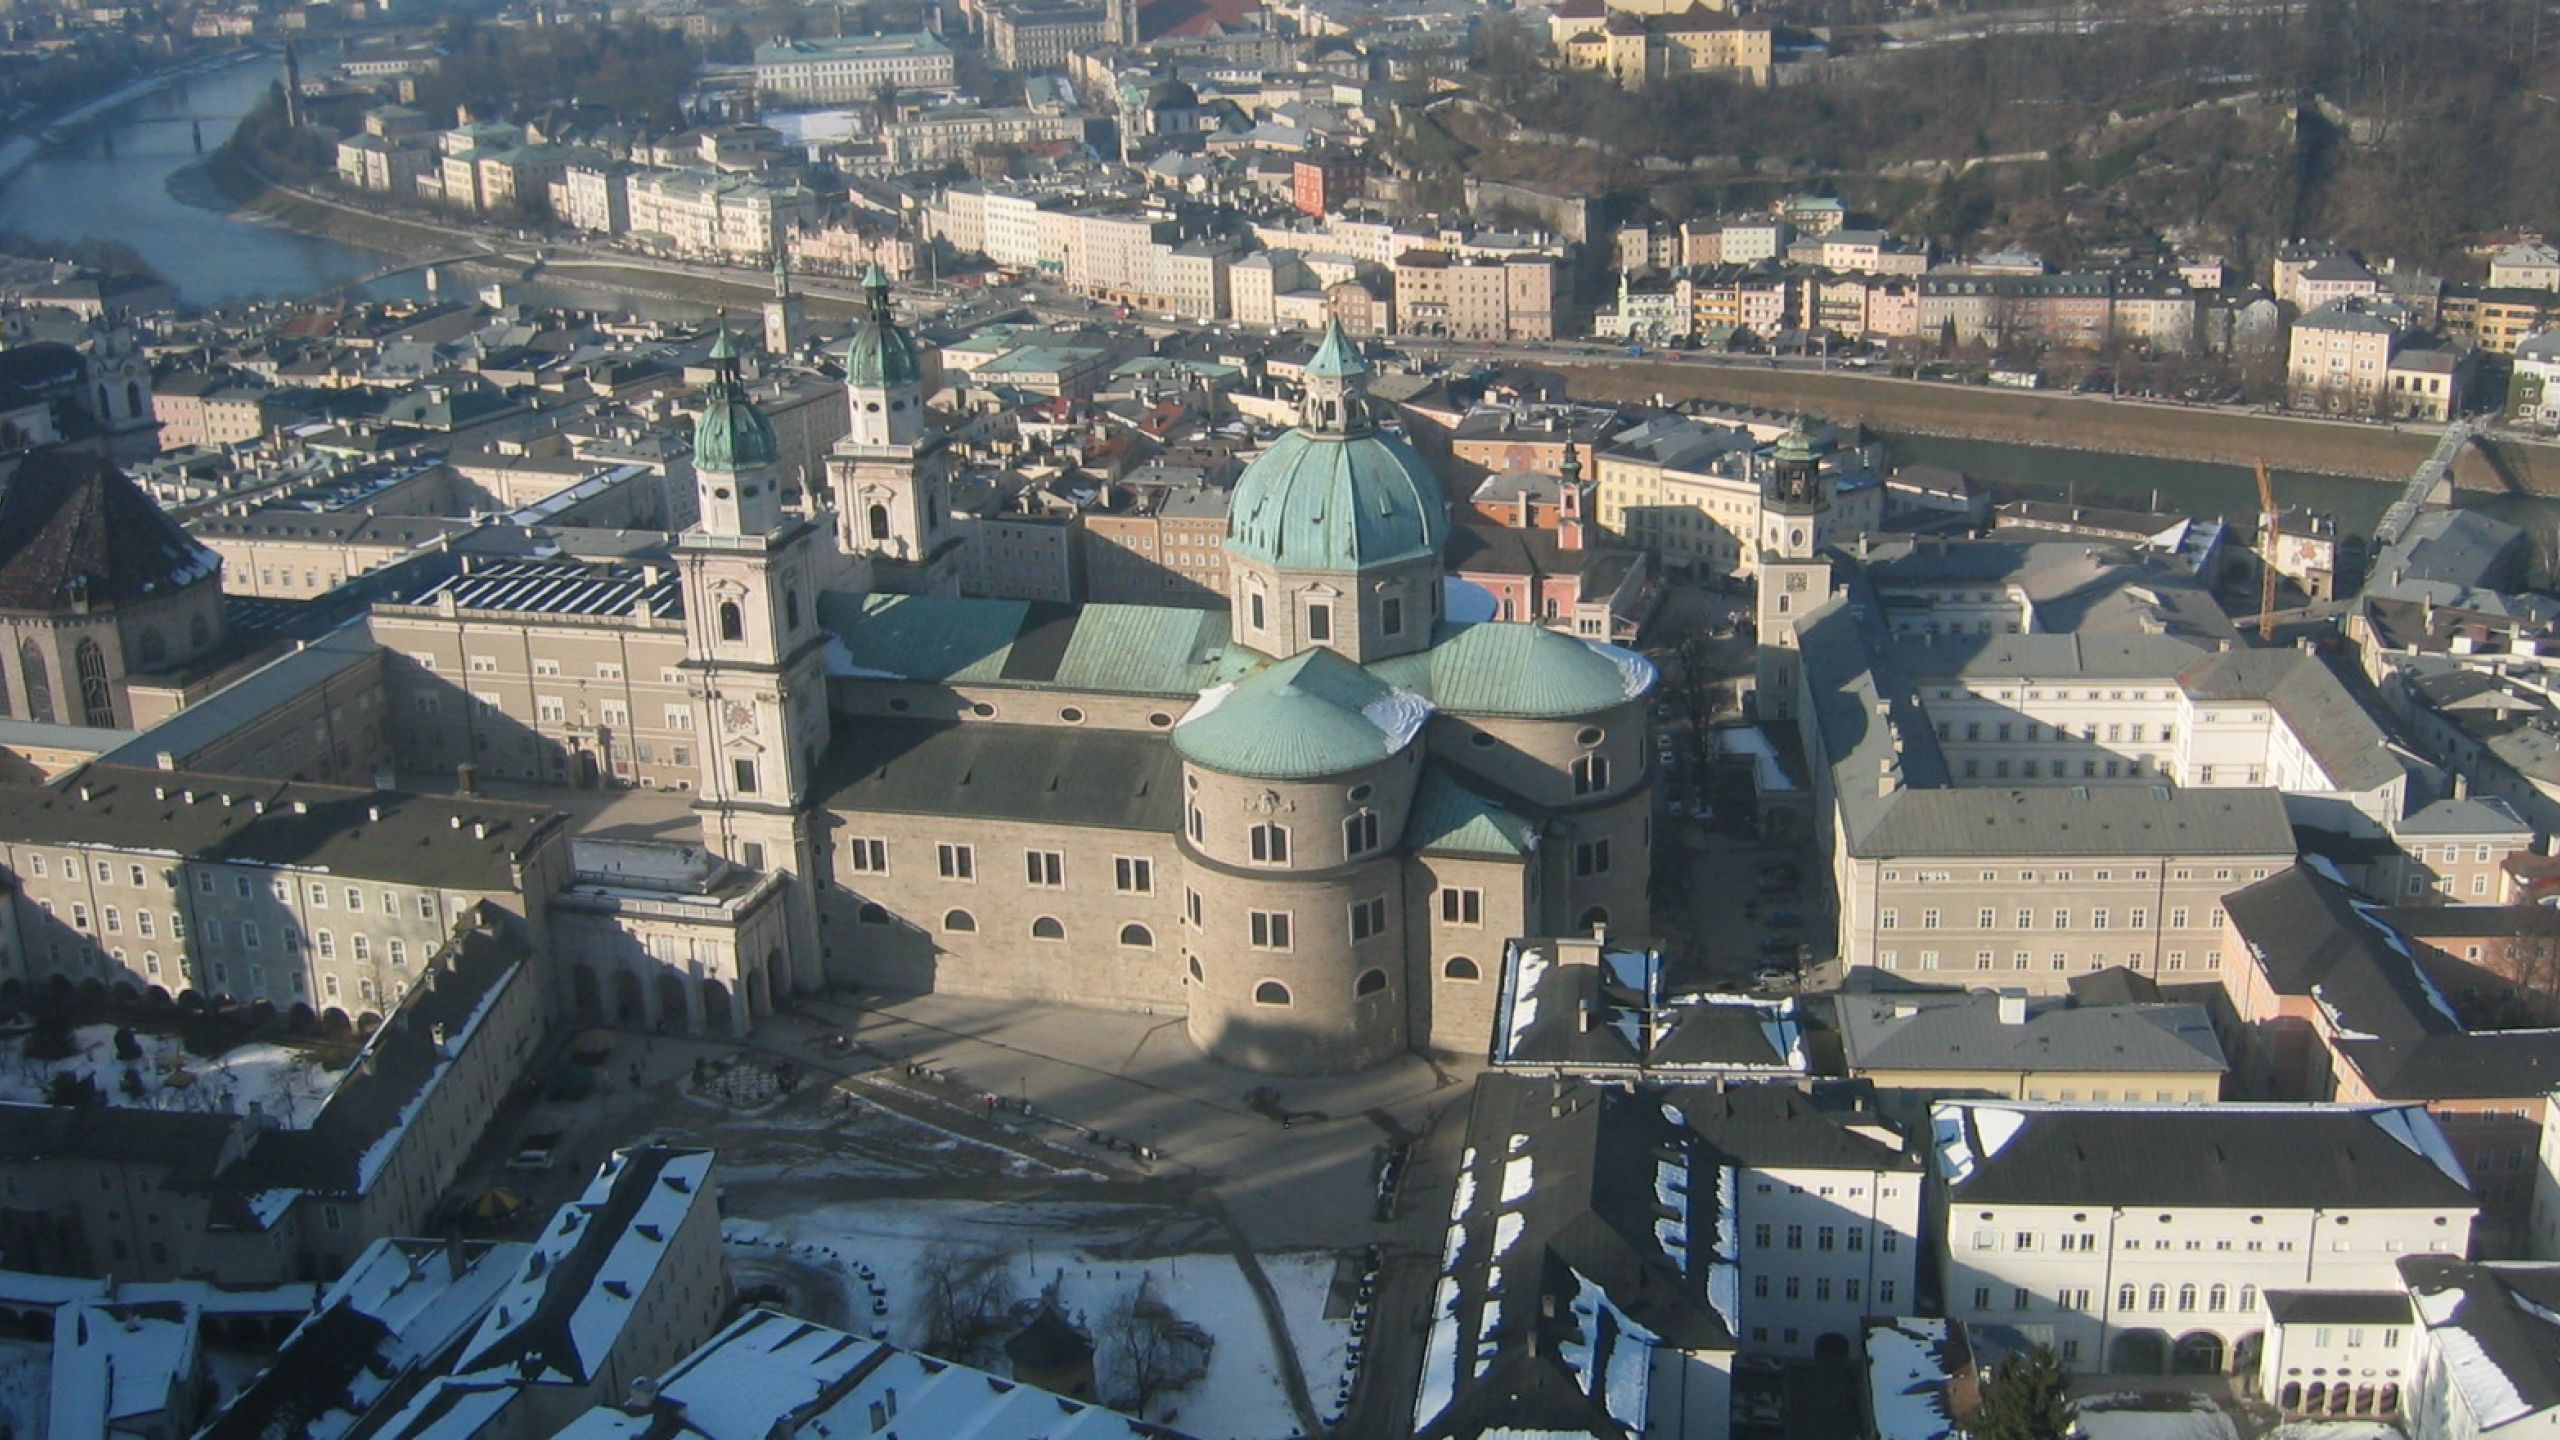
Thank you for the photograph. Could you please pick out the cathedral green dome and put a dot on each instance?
(880, 354)
(1337, 502)
(1335, 493)
(732, 434)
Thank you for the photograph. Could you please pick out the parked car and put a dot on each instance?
(537, 1152)
(1772, 978)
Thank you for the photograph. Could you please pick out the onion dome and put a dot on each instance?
(732, 435)
(880, 354)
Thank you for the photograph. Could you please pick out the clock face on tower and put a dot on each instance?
(738, 715)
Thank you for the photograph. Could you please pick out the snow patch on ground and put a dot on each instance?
(285, 1083)
(1243, 1396)
(2101, 1418)
(2334, 1430)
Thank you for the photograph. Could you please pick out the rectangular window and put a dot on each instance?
(1461, 906)
(1134, 875)
(956, 862)
(742, 773)
(1591, 857)
(1368, 918)
(1270, 929)
(867, 856)
(1391, 615)
(1046, 869)
(1319, 622)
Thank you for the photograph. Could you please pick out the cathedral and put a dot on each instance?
(1307, 824)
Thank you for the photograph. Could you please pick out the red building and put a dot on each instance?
(1325, 179)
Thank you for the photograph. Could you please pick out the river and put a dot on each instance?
(115, 182)
(2181, 487)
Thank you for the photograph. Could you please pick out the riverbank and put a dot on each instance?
(308, 213)
(2078, 422)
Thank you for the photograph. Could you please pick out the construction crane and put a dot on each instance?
(2270, 543)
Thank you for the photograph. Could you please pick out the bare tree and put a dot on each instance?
(966, 1296)
(1148, 1351)
(1696, 690)
(2530, 968)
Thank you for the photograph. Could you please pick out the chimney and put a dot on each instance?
(2013, 1007)
(453, 821)
(454, 1263)
(1600, 933)
(466, 779)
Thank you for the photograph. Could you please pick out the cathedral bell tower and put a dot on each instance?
(754, 661)
(890, 473)
(1795, 524)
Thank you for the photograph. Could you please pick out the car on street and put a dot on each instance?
(537, 1152)
(1770, 977)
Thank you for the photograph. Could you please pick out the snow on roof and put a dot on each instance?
(768, 1377)
(1907, 1379)
(565, 1306)
(116, 1365)
(1612, 1355)
(1399, 715)
(402, 1304)
(1638, 672)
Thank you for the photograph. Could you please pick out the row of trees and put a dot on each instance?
(1143, 1351)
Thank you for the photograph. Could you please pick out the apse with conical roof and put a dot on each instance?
(1334, 533)
(735, 454)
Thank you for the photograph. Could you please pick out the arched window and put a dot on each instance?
(1595, 917)
(2124, 1297)
(733, 621)
(1590, 774)
(1138, 936)
(2218, 1298)
(2186, 1297)
(97, 702)
(1048, 928)
(876, 520)
(871, 914)
(1270, 992)
(1360, 833)
(2248, 1298)
(2159, 1298)
(39, 682)
(1270, 844)
(1459, 967)
(960, 922)
(149, 648)
(1370, 982)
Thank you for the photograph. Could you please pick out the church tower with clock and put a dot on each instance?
(1795, 525)
(754, 661)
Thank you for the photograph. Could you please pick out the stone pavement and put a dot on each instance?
(1291, 1158)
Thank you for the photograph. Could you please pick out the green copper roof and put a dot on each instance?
(1311, 715)
(1519, 671)
(1337, 502)
(1450, 818)
(1336, 358)
(1796, 446)
(880, 354)
(732, 434)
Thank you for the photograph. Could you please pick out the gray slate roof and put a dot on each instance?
(1964, 1032)
(2327, 1157)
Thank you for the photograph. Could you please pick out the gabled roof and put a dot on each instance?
(1967, 1032)
(2324, 1157)
(563, 1312)
(72, 526)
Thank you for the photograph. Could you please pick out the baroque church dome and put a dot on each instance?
(880, 354)
(1335, 493)
(732, 434)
